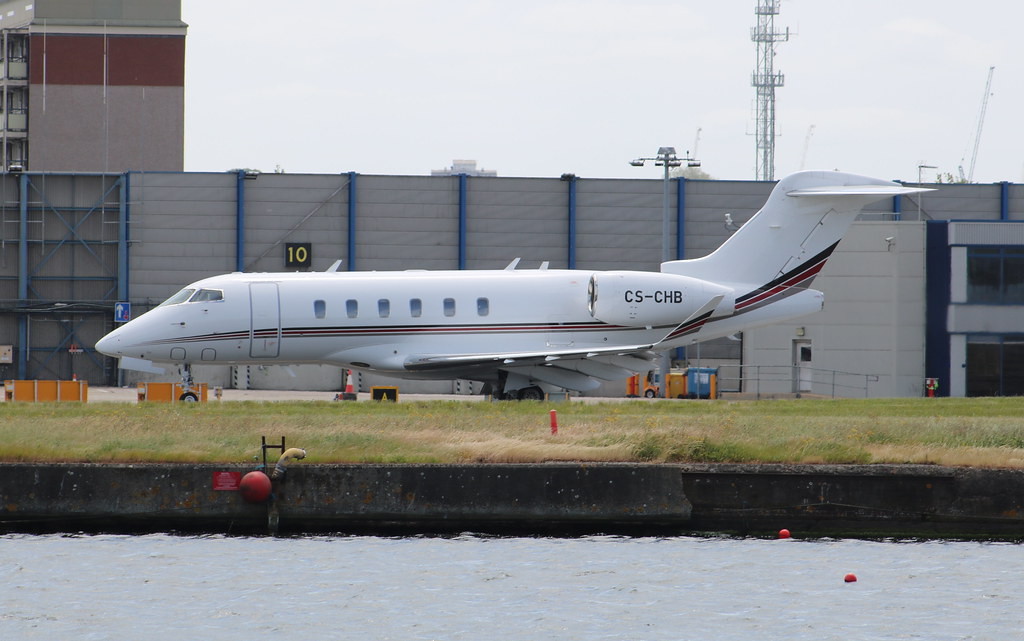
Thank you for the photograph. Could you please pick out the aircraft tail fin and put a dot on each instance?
(795, 231)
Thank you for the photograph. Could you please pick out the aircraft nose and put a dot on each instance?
(109, 344)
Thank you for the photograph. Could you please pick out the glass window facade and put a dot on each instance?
(995, 365)
(995, 275)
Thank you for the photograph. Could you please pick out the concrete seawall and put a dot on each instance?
(813, 500)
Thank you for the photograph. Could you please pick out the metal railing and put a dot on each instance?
(786, 379)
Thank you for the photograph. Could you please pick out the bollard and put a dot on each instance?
(554, 422)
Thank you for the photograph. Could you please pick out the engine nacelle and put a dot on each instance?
(650, 298)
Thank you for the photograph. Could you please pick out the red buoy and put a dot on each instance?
(784, 533)
(255, 487)
(850, 578)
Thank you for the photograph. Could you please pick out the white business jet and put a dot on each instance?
(522, 332)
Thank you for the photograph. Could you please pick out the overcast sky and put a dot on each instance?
(539, 88)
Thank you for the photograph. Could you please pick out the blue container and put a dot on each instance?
(700, 381)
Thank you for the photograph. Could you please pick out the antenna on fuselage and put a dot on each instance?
(512, 265)
(335, 266)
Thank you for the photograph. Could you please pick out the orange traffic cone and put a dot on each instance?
(350, 394)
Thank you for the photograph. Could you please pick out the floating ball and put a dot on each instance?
(784, 533)
(255, 487)
(850, 578)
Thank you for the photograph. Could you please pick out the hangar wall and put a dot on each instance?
(868, 341)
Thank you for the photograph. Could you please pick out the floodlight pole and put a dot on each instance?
(666, 158)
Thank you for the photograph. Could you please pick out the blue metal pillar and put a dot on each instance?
(897, 207)
(240, 221)
(1004, 200)
(122, 241)
(352, 221)
(23, 276)
(572, 224)
(463, 182)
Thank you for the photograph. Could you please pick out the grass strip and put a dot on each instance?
(982, 432)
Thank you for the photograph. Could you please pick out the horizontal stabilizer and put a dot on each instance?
(857, 190)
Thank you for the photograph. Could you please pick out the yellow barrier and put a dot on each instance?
(170, 392)
(46, 391)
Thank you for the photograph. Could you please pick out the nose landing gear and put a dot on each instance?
(188, 392)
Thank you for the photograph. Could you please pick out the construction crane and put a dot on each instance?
(977, 133)
(807, 143)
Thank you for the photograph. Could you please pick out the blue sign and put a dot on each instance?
(122, 312)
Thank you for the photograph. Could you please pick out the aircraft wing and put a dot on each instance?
(508, 359)
(577, 369)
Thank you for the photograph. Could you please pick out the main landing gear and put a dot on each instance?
(531, 393)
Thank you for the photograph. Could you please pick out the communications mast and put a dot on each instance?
(765, 79)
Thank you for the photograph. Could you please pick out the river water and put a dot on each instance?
(169, 587)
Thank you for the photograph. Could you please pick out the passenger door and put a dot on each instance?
(265, 329)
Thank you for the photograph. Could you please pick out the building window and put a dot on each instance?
(995, 365)
(995, 275)
(416, 307)
(319, 308)
(384, 308)
(483, 307)
(449, 307)
(352, 308)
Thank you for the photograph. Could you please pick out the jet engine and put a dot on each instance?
(635, 299)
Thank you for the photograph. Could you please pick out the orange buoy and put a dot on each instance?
(850, 578)
(255, 487)
(784, 533)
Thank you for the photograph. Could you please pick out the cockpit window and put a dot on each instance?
(180, 297)
(207, 295)
(194, 296)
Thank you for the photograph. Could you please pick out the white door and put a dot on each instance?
(803, 367)
(265, 330)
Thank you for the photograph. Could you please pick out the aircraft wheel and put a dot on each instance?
(189, 397)
(650, 393)
(531, 394)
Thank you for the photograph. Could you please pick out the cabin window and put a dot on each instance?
(449, 307)
(204, 295)
(483, 307)
(352, 308)
(384, 308)
(319, 308)
(416, 307)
